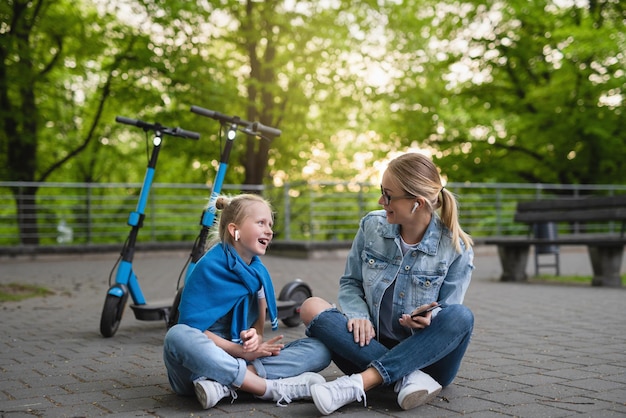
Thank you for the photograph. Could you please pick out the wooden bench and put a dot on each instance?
(606, 250)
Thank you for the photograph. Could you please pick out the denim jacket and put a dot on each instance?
(432, 272)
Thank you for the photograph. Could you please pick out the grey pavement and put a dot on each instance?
(538, 350)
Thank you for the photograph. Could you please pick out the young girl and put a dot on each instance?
(217, 346)
(404, 257)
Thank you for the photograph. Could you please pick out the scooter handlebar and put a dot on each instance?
(129, 121)
(265, 130)
(185, 133)
(253, 128)
(158, 127)
(218, 116)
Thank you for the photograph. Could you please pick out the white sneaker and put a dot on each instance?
(415, 389)
(284, 391)
(330, 396)
(210, 392)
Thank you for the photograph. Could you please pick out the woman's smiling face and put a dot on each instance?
(395, 201)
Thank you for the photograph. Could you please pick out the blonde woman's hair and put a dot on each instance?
(419, 177)
(233, 210)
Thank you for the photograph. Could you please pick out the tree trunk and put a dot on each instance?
(260, 97)
(26, 201)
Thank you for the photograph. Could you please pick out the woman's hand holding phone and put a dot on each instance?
(419, 318)
(423, 310)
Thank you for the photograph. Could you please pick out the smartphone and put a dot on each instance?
(422, 312)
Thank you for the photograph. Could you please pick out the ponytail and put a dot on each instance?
(450, 217)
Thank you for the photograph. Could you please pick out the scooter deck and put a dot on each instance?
(156, 311)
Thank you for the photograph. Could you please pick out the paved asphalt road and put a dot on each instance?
(538, 350)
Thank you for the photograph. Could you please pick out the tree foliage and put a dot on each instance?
(511, 91)
(527, 92)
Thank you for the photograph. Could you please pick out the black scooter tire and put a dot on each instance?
(174, 314)
(296, 291)
(111, 315)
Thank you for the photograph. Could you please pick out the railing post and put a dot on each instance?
(361, 200)
(311, 212)
(88, 214)
(287, 212)
(153, 214)
(498, 211)
(576, 224)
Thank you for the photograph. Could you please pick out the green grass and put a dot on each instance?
(546, 278)
(13, 292)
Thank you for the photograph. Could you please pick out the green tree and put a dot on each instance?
(298, 73)
(61, 80)
(502, 91)
(69, 67)
(32, 47)
(516, 91)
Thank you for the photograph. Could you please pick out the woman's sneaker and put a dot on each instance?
(415, 389)
(210, 392)
(289, 389)
(330, 396)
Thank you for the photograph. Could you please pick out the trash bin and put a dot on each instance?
(546, 230)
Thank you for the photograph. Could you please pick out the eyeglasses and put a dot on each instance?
(387, 198)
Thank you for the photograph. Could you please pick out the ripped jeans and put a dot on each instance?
(436, 350)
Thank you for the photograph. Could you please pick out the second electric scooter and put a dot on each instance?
(293, 293)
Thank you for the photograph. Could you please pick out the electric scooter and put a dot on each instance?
(293, 293)
(126, 282)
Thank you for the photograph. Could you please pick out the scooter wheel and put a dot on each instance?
(174, 314)
(111, 315)
(297, 291)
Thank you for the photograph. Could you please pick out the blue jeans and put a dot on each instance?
(436, 350)
(189, 354)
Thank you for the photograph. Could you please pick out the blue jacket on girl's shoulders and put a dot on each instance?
(222, 285)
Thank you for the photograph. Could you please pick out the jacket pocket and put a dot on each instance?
(426, 288)
(373, 266)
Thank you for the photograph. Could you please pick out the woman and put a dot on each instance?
(411, 255)
(217, 346)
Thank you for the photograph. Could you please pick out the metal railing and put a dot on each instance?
(94, 213)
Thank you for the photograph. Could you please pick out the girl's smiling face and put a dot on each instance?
(255, 233)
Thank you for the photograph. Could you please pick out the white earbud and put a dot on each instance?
(415, 206)
(236, 235)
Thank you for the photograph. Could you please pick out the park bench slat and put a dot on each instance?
(582, 239)
(572, 203)
(574, 215)
(605, 250)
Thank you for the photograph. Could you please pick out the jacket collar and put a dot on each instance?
(429, 243)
